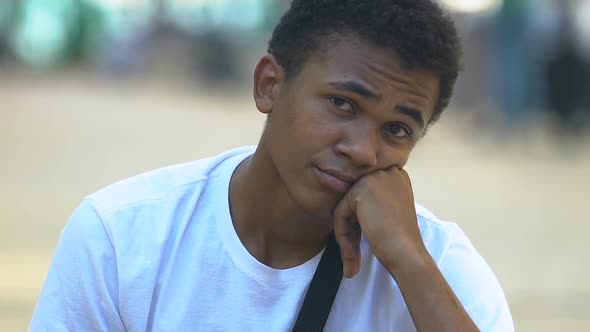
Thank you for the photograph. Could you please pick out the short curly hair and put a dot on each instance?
(418, 31)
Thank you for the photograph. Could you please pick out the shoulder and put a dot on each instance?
(468, 274)
(159, 184)
(153, 206)
(437, 235)
(139, 220)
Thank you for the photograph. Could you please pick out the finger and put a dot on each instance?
(358, 230)
(348, 233)
(393, 169)
(408, 182)
(405, 175)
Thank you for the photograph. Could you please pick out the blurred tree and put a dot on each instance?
(568, 81)
(514, 67)
(6, 14)
(42, 31)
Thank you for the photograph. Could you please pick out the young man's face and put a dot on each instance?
(351, 110)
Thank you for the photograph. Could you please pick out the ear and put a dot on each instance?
(268, 77)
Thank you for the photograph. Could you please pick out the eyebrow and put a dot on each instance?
(414, 114)
(357, 88)
(360, 89)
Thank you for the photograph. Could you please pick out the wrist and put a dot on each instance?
(410, 262)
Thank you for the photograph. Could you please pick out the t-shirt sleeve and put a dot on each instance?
(80, 292)
(476, 286)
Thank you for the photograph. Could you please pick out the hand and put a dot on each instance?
(381, 206)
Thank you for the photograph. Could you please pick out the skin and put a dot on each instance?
(331, 158)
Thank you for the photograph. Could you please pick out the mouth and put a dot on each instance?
(334, 179)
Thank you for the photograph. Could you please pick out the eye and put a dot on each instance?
(398, 130)
(342, 104)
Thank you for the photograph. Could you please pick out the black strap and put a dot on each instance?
(322, 290)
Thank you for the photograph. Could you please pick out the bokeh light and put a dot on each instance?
(473, 6)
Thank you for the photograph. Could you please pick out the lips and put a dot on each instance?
(334, 180)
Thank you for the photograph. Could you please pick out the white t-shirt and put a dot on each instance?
(158, 252)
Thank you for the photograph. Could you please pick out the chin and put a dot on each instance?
(311, 197)
(320, 204)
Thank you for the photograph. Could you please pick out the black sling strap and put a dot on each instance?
(322, 290)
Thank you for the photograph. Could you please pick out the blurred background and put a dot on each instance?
(94, 91)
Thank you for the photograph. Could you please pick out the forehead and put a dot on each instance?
(347, 57)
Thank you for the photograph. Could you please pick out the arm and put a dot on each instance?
(80, 292)
(432, 303)
(381, 206)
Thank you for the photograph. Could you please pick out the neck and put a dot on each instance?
(274, 229)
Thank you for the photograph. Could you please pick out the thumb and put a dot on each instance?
(347, 232)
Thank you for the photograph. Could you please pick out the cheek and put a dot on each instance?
(301, 128)
(318, 125)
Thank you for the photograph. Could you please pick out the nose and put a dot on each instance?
(360, 145)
